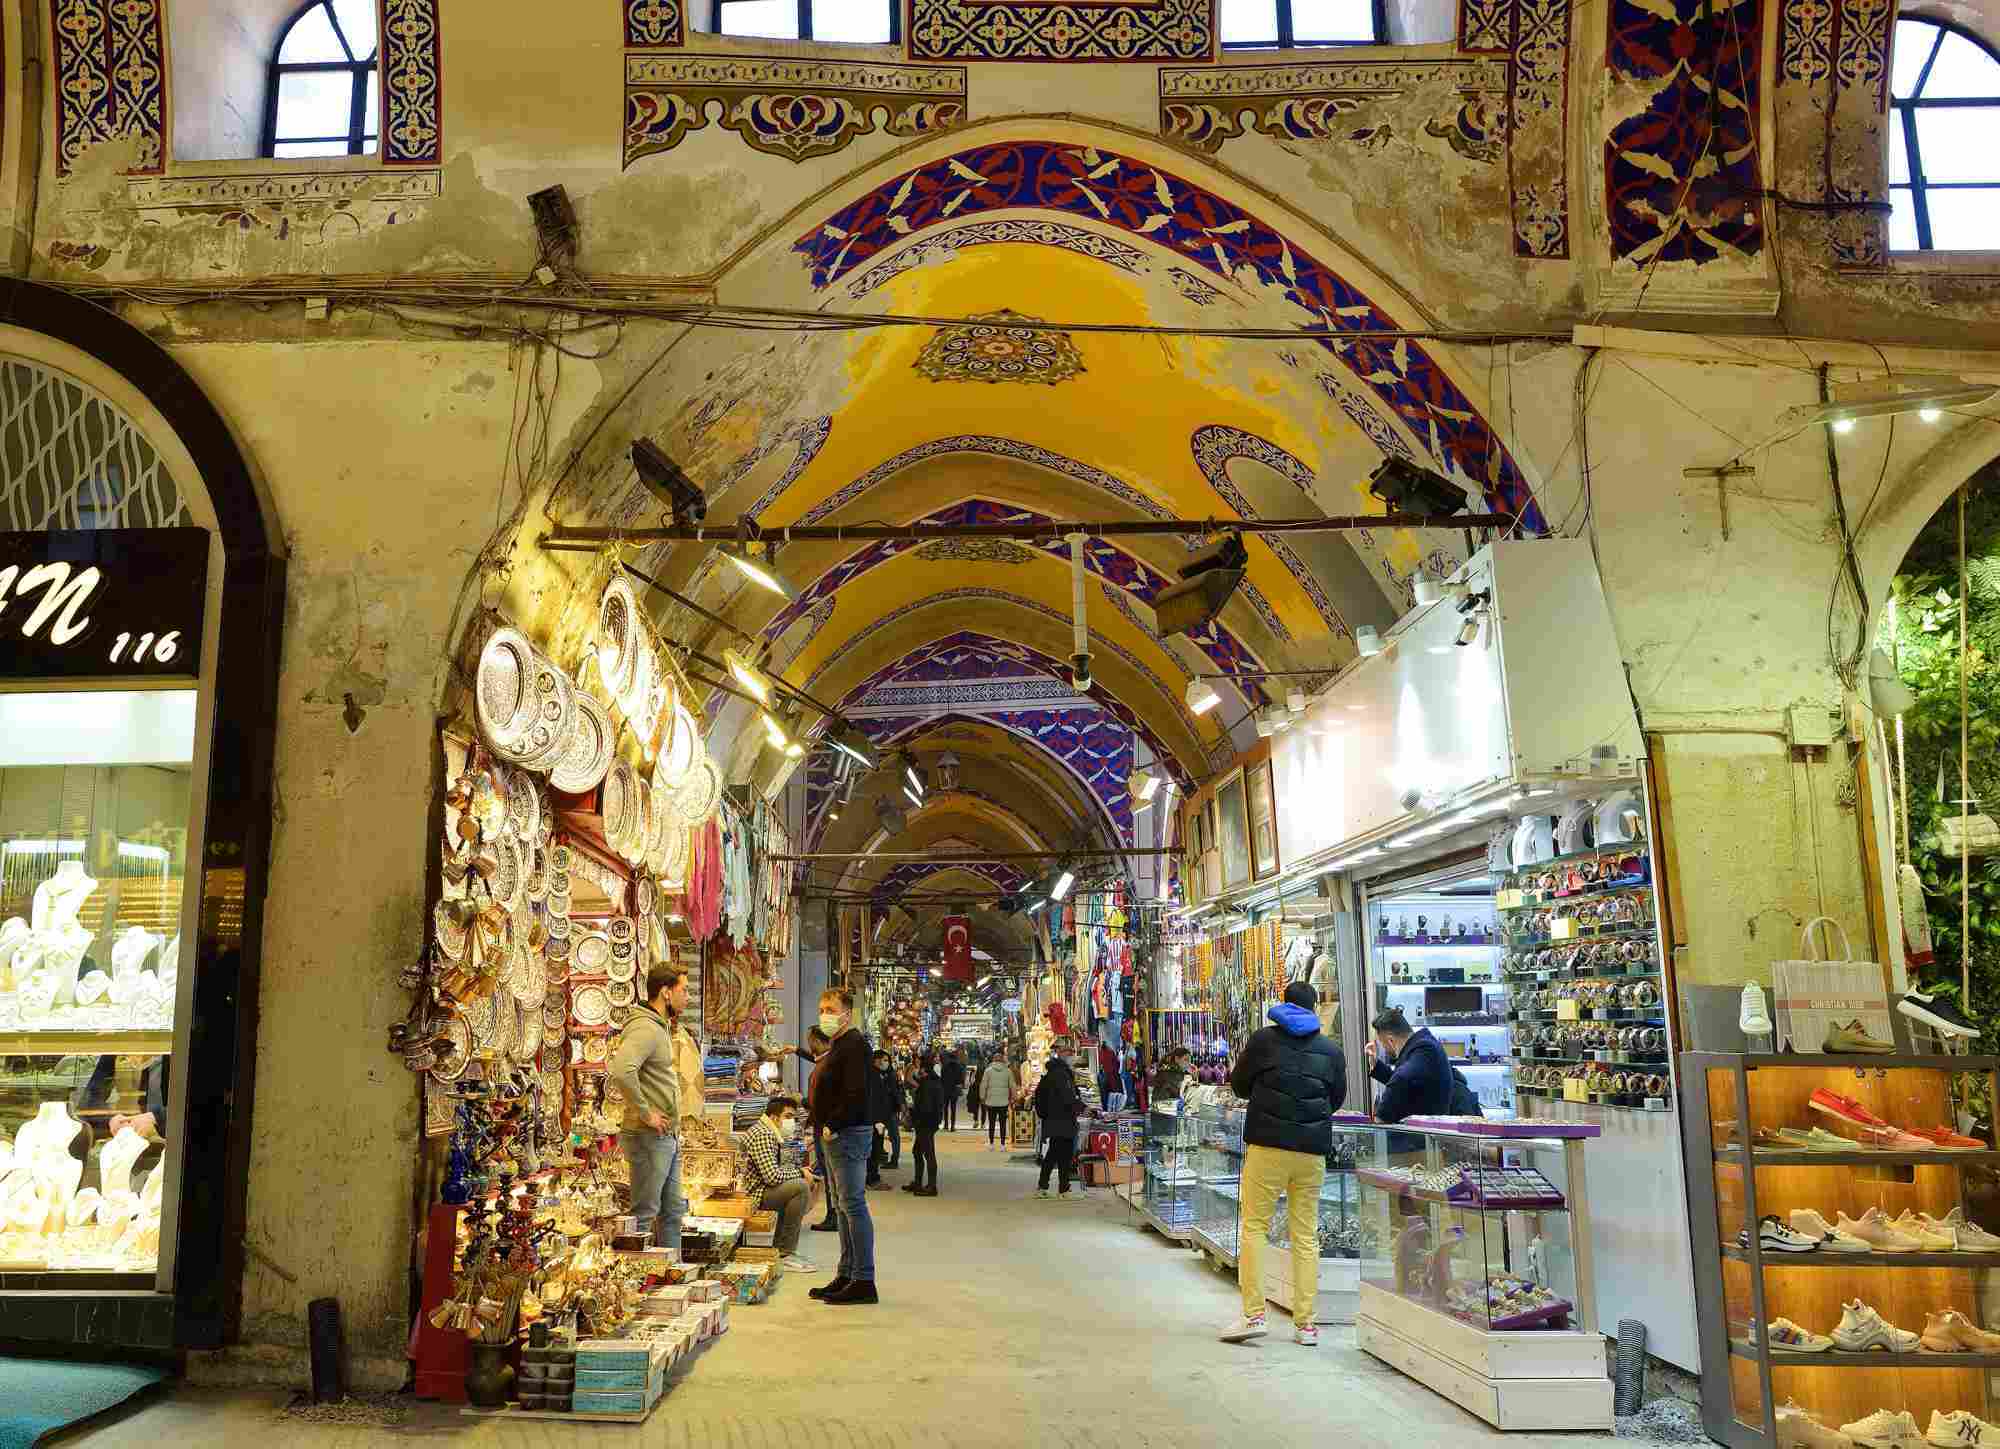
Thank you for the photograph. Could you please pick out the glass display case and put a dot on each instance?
(1475, 1234)
(1434, 953)
(1218, 1157)
(95, 800)
(1846, 1237)
(1172, 1148)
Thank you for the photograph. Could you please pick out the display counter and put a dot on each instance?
(1167, 1199)
(1475, 1274)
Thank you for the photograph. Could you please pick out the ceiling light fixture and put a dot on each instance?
(1143, 785)
(747, 674)
(773, 731)
(1061, 888)
(1369, 641)
(1201, 697)
(914, 773)
(761, 571)
(1404, 487)
(1925, 396)
(851, 742)
(1212, 577)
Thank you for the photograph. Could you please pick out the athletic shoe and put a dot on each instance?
(1787, 1337)
(1878, 1232)
(1306, 1334)
(1853, 1039)
(1862, 1328)
(795, 1264)
(825, 1288)
(1937, 1013)
(1884, 1429)
(1970, 1237)
(1948, 1140)
(1774, 1237)
(1948, 1331)
(1960, 1430)
(1246, 1329)
(1895, 1139)
(1753, 1018)
(1830, 1238)
(1930, 1238)
(1043, 1192)
(1845, 1108)
(1798, 1429)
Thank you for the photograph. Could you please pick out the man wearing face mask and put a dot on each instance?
(840, 1107)
(780, 1186)
(646, 1068)
(927, 1109)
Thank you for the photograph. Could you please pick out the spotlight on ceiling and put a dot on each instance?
(851, 742)
(665, 480)
(1201, 696)
(1927, 397)
(775, 733)
(1271, 719)
(1063, 882)
(1403, 487)
(1368, 641)
(1212, 577)
(747, 674)
(1143, 785)
(760, 568)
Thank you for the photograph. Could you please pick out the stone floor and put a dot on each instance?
(1005, 1320)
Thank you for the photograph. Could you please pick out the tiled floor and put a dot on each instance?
(1005, 1320)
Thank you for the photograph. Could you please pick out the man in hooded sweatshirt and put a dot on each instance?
(1294, 1079)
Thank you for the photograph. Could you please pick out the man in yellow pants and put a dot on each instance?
(1294, 1079)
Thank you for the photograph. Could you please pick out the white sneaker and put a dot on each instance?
(1862, 1328)
(1884, 1429)
(1787, 1337)
(1306, 1334)
(1774, 1237)
(1970, 1237)
(1830, 1238)
(795, 1264)
(1753, 1018)
(1798, 1429)
(1245, 1330)
(1043, 1192)
(1959, 1430)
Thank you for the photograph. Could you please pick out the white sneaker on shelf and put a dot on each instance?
(1961, 1430)
(1245, 1330)
(1754, 1019)
(1798, 1429)
(1862, 1328)
(1830, 1238)
(1971, 1238)
(1884, 1429)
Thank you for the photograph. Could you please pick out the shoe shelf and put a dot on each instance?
(1875, 1358)
(1727, 1099)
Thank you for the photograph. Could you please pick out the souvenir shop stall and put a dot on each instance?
(585, 834)
(1475, 797)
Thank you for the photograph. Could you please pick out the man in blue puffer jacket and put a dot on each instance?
(1295, 1079)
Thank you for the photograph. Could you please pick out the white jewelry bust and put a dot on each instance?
(133, 951)
(46, 1136)
(13, 936)
(114, 1163)
(60, 898)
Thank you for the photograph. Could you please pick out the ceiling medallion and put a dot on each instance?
(992, 347)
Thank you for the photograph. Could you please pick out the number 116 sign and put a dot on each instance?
(100, 603)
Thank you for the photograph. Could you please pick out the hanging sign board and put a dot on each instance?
(102, 603)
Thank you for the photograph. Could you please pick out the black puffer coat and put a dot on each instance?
(1294, 1079)
(1056, 1099)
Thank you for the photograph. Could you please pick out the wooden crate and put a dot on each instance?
(725, 1207)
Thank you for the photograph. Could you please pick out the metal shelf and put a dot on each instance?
(85, 1043)
(1861, 1157)
(1868, 1260)
(1872, 1358)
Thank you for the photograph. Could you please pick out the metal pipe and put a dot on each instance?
(553, 544)
(739, 529)
(978, 859)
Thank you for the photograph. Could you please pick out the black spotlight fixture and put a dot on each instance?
(1212, 575)
(1403, 487)
(665, 478)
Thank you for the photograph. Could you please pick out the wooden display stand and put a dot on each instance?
(1538, 1380)
(441, 1355)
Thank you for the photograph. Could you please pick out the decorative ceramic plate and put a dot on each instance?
(453, 934)
(592, 954)
(620, 930)
(619, 801)
(528, 1042)
(509, 881)
(618, 632)
(560, 926)
(555, 1016)
(455, 1051)
(590, 1006)
(506, 1021)
(524, 806)
(621, 992)
(632, 699)
(705, 785)
(678, 751)
(524, 977)
(647, 894)
(597, 1049)
(552, 1065)
(623, 968)
(642, 823)
(504, 694)
(673, 869)
(620, 1015)
(592, 742)
(561, 858)
(538, 878)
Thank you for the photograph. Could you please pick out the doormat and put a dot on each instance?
(40, 1396)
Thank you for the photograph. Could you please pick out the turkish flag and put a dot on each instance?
(957, 948)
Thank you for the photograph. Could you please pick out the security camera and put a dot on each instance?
(667, 482)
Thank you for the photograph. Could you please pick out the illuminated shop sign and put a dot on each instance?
(117, 603)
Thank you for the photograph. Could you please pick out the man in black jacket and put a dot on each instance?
(951, 1071)
(840, 1107)
(1415, 1072)
(1057, 1103)
(927, 1109)
(1295, 1079)
(885, 1107)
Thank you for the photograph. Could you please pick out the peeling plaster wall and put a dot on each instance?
(383, 473)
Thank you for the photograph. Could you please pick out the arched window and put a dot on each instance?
(1944, 180)
(324, 92)
(1263, 24)
(859, 22)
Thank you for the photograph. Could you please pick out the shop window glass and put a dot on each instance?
(1282, 24)
(1944, 181)
(858, 22)
(323, 82)
(95, 795)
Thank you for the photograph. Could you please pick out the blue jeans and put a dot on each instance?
(655, 1161)
(849, 1149)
